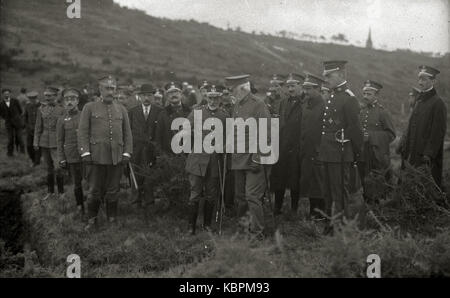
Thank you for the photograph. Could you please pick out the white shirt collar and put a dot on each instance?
(144, 108)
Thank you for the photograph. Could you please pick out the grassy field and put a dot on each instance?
(37, 236)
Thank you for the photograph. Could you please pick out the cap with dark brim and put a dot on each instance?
(428, 71)
(333, 65)
(236, 80)
(294, 78)
(32, 94)
(71, 90)
(313, 80)
(51, 90)
(145, 88)
(172, 86)
(213, 90)
(372, 85)
(108, 81)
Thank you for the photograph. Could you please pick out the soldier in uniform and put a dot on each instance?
(158, 96)
(424, 141)
(250, 174)
(311, 178)
(143, 123)
(105, 144)
(286, 172)
(173, 110)
(203, 94)
(274, 98)
(378, 133)
(203, 168)
(67, 143)
(31, 109)
(45, 139)
(341, 139)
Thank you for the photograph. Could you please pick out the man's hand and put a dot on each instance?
(125, 159)
(87, 159)
(63, 164)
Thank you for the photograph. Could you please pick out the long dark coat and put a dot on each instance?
(144, 134)
(426, 132)
(311, 183)
(13, 114)
(164, 133)
(286, 172)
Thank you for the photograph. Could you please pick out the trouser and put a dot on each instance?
(50, 157)
(145, 188)
(249, 191)
(279, 197)
(34, 155)
(104, 184)
(76, 172)
(14, 136)
(336, 188)
(229, 189)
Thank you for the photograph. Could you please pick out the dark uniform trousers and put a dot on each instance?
(336, 187)
(35, 155)
(51, 160)
(104, 184)
(76, 172)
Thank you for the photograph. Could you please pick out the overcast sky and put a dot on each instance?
(420, 25)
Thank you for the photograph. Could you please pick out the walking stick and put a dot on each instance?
(221, 209)
(133, 177)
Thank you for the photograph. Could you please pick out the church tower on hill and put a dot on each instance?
(369, 44)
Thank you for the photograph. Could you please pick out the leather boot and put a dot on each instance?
(193, 214)
(60, 183)
(51, 183)
(279, 196)
(295, 196)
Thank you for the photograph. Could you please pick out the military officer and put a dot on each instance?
(143, 123)
(274, 98)
(45, 139)
(105, 144)
(311, 178)
(173, 110)
(341, 139)
(286, 172)
(424, 141)
(203, 92)
(378, 133)
(30, 120)
(250, 174)
(67, 143)
(203, 168)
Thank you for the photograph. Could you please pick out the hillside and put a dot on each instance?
(108, 38)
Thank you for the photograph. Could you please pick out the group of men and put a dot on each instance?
(325, 133)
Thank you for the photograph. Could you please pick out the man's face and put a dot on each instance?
(276, 89)
(70, 102)
(426, 82)
(107, 93)
(203, 93)
(49, 98)
(158, 100)
(146, 98)
(213, 102)
(6, 95)
(369, 96)
(174, 97)
(334, 78)
(293, 89)
(240, 91)
(311, 91)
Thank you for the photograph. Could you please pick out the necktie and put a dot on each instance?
(146, 113)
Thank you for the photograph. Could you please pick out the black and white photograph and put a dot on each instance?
(219, 145)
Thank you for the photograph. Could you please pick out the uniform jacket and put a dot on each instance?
(30, 116)
(11, 114)
(426, 132)
(163, 132)
(311, 169)
(377, 122)
(67, 137)
(286, 172)
(248, 107)
(144, 134)
(45, 127)
(104, 131)
(198, 163)
(341, 112)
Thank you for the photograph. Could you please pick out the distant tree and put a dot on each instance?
(282, 33)
(339, 37)
(238, 29)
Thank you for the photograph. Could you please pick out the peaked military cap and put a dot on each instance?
(372, 85)
(108, 81)
(213, 90)
(71, 92)
(330, 66)
(204, 84)
(51, 90)
(32, 94)
(172, 86)
(325, 87)
(313, 80)
(276, 80)
(428, 71)
(294, 78)
(145, 88)
(158, 92)
(236, 80)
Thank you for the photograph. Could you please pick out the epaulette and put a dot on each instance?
(349, 92)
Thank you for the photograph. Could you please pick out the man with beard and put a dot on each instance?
(67, 144)
(105, 144)
(341, 140)
(143, 123)
(31, 109)
(250, 174)
(286, 172)
(378, 133)
(311, 181)
(424, 141)
(45, 139)
(274, 98)
(203, 168)
(174, 109)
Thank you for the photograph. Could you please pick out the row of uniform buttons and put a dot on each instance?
(325, 114)
(110, 123)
